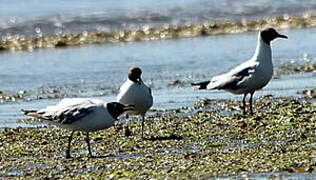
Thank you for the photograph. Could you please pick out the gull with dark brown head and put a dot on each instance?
(133, 91)
(81, 114)
(251, 75)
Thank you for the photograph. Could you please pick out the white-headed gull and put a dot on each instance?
(133, 91)
(81, 114)
(251, 75)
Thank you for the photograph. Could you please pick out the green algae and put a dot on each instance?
(311, 93)
(279, 137)
(294, 68)
(11, 98)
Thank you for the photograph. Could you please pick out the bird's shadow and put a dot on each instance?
(101, 156)
(85, 157)
(163, 138)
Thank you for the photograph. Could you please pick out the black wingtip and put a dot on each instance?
(201, 85)
(26, 112)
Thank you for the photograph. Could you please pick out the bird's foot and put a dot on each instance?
(127, 132)
(91, 156)
(68, 156)
(244, 113)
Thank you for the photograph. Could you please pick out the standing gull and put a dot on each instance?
(81, 114)
(251, 75)
(133, 91)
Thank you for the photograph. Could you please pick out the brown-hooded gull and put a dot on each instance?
(81, 114)
(251, 75)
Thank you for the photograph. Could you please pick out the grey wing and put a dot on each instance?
(236, 79)
(70, 114)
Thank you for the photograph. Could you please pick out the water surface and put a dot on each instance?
(98, 70)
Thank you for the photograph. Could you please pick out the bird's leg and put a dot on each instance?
(127, 131)
(143, 121)
(150, 126)
(88, 143)
(250, 102)
(69, 144)
(244, 104)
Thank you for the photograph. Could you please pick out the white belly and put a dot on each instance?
(136, 94)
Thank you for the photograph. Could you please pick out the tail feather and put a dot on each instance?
(201, 85)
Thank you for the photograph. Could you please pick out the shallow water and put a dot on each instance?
(34, 17)
(33, 25)
(97, 71)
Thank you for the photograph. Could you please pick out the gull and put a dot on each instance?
(81, 114)
(251, 75)
(133, 91)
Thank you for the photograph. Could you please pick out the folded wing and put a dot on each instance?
(67, 111)
(235, 78)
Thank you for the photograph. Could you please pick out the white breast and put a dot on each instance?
(137, 94)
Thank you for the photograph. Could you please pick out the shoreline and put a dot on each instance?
(21, 43)
(12, 103)
(54, 92)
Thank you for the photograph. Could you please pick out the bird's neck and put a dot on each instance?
(135, 81)
(263, 52)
